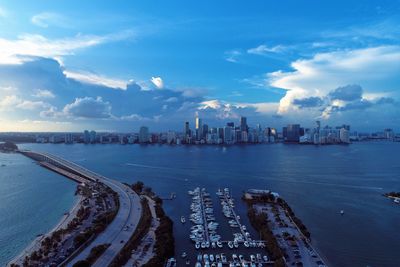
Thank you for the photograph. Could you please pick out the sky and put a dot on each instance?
(118, 65)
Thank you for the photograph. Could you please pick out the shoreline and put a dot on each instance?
(36, 243)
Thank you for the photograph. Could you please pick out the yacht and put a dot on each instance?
(183, 220)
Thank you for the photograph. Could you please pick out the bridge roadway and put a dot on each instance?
(124, 224)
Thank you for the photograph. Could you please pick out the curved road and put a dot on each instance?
(121, 228)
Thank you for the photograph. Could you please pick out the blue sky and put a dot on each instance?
(73, 65)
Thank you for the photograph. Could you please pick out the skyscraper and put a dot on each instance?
(144, 134)
(243, 124)
(186, 129)
(291, 133)
(86, 137)
(92, 137)
(199, 128)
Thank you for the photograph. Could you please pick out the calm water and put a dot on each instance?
(316, 181)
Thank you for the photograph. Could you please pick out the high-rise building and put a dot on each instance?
(69, 139)
(230, 124)
(92, 137)
(86, 137)
(199, 128)
(144, 136)
(228, 136)
(344, 136)
(243, 124)
(186, 129)
(291, 133)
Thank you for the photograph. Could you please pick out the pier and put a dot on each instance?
(226, 198)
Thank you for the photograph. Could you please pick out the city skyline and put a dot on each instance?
(65, 70)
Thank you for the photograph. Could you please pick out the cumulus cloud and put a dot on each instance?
(375, 68)
(43, 93)
(32, 105)
(264, 50)
(9, 101)
(309, 102)
(88, 107)
(158, 82)
(34, 45)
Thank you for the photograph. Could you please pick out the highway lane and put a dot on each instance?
(121, 228)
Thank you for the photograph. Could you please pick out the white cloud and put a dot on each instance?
(232, 55)
(34, 45)
(46, 19)
(43, 93)
(88, 107)
(32, 105)
(263, 49)
(9, 102)
(158, 82)
(376, 69)
(91, 78)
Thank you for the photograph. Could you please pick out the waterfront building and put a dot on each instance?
(291, 133)
(144, 135)
(186, 129)
(68, 138)
(344, 136)
(171, 137)
(199, 128)
(243, 124)
(228, 136)
(86, 137)
(92, 137)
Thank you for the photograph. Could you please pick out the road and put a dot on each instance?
(124, 224)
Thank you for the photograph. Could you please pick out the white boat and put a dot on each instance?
(341, 212)
(396, 200)
(219, 244)
(211, 257)
(184, 254)
(246, 244)
(230, 244)
(183, 220)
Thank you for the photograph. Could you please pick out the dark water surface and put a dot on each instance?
(317, 182)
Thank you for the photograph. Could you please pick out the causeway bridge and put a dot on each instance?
(125, 222)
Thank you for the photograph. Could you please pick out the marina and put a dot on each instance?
(210, 249)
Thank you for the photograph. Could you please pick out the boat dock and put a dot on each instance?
(228, 200)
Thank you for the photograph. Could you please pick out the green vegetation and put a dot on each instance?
(8, 147)
(165, 242)
(134, 241)
(95, 253)
(260, 223)
(269, 198)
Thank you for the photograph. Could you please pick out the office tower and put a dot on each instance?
(204, 131)
(291, 133)
(86, 137)
(243, 124)
(144, 134)
(186, 129)
(199, 128)
(69, 139)
(344, 136)
(230, 124)
(228, 135)
(92, 137)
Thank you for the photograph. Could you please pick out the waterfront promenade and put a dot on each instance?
(125, 222)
